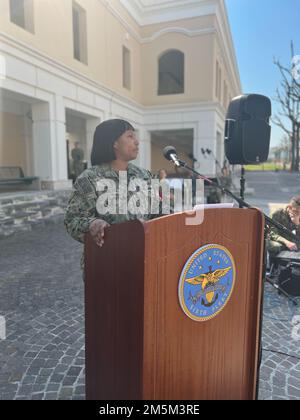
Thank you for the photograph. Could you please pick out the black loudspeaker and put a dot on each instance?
(289, 279)
(247, 130)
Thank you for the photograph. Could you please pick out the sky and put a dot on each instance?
(262, 30)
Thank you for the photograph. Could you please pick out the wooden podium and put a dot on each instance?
(140, 345)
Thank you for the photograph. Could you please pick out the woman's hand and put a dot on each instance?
(97, 228)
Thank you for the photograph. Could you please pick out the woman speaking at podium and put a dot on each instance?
(115, 146)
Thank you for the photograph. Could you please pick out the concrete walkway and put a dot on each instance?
(41, 298)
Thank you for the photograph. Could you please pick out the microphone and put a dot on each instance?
(170, 154)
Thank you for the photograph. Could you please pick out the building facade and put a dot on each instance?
(168, 67)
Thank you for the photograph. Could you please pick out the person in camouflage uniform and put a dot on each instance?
(115, 145)
(77, 156)
(289, 218)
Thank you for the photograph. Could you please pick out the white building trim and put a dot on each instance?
(204, 119)
(51, 88)
(183, 31)
(149, 13)
(145, 40)
(38, 65)
(226, 42)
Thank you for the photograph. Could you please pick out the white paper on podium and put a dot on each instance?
(215, 206)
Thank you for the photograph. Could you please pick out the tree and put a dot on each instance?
(288, 95)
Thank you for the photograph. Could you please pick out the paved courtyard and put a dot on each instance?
(41, 298)
(280, 368)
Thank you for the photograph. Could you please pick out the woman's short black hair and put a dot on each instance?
(105, 136)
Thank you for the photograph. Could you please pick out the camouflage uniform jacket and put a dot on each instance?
(282, 217)
(82, 207)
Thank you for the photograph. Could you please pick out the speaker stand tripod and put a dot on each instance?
(242, 183)
(268, 221)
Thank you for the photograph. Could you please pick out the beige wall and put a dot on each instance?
(225, 80)
(12, 141)
(52, 28)
(198, 52)
(191, 24)
(197, 38)
(53, 35)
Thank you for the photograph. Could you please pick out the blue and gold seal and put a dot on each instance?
(206, 282)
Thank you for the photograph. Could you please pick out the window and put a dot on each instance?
(79, 33)
(126, 68)
(171, 73)
(21, 13)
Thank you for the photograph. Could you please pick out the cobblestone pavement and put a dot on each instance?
(272, 187)
(41, 298)
(280, 368)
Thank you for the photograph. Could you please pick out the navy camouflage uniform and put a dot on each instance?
(275, 242)
(82, 211)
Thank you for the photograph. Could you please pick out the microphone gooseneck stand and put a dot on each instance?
(269, 222)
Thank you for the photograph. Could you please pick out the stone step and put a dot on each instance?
(11, 230)
(21, 204)
(6, 221)
(21, 212)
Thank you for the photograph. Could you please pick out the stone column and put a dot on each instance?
(28, 142)
(144, 159)
(49, 144)
(205, 137)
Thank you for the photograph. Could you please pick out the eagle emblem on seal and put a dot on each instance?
(209, 285)
(207, 282)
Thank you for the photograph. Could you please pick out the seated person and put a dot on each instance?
(289, 218)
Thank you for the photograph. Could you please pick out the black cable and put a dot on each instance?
(280, 352)
(268, 221)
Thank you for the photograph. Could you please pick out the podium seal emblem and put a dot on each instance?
(207, 282)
